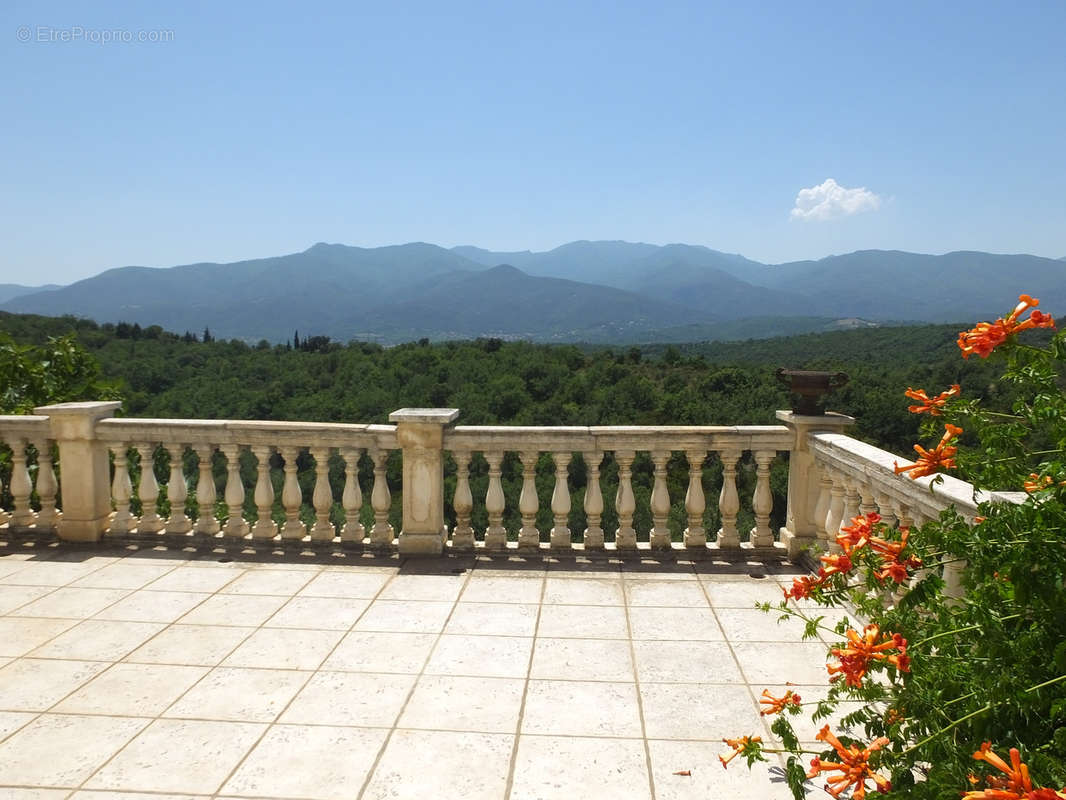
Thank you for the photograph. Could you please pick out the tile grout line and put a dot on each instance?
(159, 716)
(739, 666)
(513, 761)
(414, 684)
(270, 725)
(640, 699)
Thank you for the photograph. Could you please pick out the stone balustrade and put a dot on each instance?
(323, 483)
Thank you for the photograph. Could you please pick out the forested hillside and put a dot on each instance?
(162, 374)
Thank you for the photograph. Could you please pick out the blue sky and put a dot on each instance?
(256, 129)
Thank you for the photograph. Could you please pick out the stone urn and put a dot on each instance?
(809, 388)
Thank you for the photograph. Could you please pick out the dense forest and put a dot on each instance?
(193, 375)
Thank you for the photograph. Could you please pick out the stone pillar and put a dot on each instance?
(800, 529)
(83, 459)
(420, 433)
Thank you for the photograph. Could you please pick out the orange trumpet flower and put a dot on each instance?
(1017, 785)
(775, 705)
(985, 337)
(929, 461)
(854, 767)
(930, 404)
(854, 658)
(738, 745)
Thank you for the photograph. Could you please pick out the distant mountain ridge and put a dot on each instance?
(582, 291)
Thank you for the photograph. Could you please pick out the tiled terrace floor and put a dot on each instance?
(172, 673)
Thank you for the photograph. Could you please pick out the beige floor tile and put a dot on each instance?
(581, 708)
(322, 613)
(20, 635)
(179, 756)
(269, 581)
(577, 659)
(24, 793)
(490, 656)
(508, 566)
(11, 721)
(653, 569)
(233, 609)
(71, 603)
(368, 651)
(132, 690)
(744, 594)
(85, 794)
(350, 698)
(405, 616)
(153, 606)
(99, 640)
(707, 778)
(565, 768)
(195, 579)
(421, 764)
(11, 597)
(562, 567)
(583, 591)
(239, 695)
(424, 587)
(284, 648)
(488, 705)
(698, 711)
(346, 584)
(687, 624)
(494, 619)
(124, 575)
(318, 762)
(680, 594)
(685, 662)
(771, 664)
(50, 573)
(38, 684)
(9, 566)
(753, 625)
(581, 622)
(489, 589)
(63, 750)
(195, 645)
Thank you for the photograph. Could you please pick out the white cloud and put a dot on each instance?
(829, 200)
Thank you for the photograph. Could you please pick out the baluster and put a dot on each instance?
(148, 492)
(122, 521)
(495, 533)
(322, 497)
(291, 496)
(884, 508)
(695, 500)
(821, 508)
(624, 501)
(236, 525)
(528, 502)
(463, 502)
(867, 504)
(593, 502)
(352, 498)
(21, 488)
(47, 486)
(177, 492)
(4, 516)
(660, 502)
(560, 533)
(381, 535)
(729, 501)
(835, 514)
(851, 501)
(206, 496)
(762, 502)
(264, 527)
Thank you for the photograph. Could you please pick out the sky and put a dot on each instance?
(159, 134)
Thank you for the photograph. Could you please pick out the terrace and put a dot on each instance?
(250, 628)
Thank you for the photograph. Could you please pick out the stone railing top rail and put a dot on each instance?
(874, 467)
(618, 437)
(23, 426)
(252, 432)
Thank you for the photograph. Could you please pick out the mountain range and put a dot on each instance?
(607, 291)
